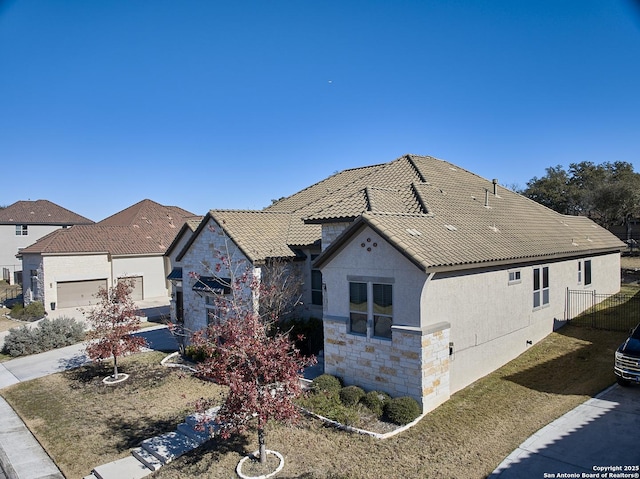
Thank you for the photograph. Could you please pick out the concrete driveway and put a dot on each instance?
(599, 438)
(70, 357)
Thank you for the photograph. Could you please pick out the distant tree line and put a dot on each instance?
(608, 193)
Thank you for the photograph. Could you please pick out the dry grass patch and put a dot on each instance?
(5, 323)
(82, 423)
(467, 437)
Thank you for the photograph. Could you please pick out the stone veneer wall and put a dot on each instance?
(331, 231)
(414, 363)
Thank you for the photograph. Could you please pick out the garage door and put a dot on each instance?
(72, 294)
(136, 292)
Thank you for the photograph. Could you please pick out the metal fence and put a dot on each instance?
(613, 312)
(10, 292)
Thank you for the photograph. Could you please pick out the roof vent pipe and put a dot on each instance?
(495, 187)
(486, 198)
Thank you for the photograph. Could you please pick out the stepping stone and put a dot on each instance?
(127, 468)
(204, 418)
(146, 458)
(200, 436)
(169, 446)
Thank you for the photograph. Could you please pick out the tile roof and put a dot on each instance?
(463, 223)
(147, 212)
(40, 212)
(438, 214)
(190, 225)
(144, 228)
(260, 234)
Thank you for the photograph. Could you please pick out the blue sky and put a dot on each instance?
(230, 104)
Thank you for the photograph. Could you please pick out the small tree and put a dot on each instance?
(113, 321)
(262, 371)
(260, 365)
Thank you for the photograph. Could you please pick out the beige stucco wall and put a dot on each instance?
(376, 259)
(491, 320)
(10, 243)
(52, 269)
(151, 268)
(415, 360)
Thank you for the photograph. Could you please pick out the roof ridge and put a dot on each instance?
(250, 211)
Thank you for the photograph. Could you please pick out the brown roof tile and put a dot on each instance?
(40, 212)
(145, 228)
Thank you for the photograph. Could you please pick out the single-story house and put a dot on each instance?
(430, 276)
(67, 267)
(25, 222)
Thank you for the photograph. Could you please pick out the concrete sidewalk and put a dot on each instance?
(21, 456)
(600, 433)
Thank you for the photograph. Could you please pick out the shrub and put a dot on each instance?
(20, 342)
(351, 395)
(195, 353)
(58, 333)
(31, 312)
(49, 334)
(375, 401)
(328, 405)
(402, 410)
(327, 383)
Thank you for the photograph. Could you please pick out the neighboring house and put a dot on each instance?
(67, 267)
(431, 276)
(25, 222)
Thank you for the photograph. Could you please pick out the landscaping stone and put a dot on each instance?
(157, 451)
(169, 446)
(148, 459)
(127, 468)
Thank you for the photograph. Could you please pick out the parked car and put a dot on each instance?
(627, 363)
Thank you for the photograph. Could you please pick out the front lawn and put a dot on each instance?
(84, 424)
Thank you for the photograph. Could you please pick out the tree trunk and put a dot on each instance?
(115, 367)
(262, 448)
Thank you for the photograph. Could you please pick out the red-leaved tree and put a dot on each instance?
(244, 351)
(262, 371)
(113, 322)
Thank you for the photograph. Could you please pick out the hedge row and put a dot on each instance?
(330, 399)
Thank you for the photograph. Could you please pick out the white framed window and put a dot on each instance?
(579, 272)
(371, 309)
(22, 230)
(515, 276)
(540, 287)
